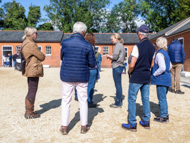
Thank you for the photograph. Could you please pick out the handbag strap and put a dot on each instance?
(21, 52)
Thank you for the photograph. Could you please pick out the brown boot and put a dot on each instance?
(29, 105)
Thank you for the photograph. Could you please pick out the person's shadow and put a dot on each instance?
(185, 85)
(154, 108)
(92, 112)
(50, 105)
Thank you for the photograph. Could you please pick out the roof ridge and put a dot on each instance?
(178, 26)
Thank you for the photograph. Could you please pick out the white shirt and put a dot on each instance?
(160, 61)
(135, 52)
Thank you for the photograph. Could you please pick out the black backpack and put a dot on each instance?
(20, 61)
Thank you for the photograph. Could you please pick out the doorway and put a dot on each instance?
(5, 58)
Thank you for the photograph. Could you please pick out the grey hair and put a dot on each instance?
(78, 27)
(28, 31)
(143, 34)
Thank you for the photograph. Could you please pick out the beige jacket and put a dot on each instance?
(33, 57)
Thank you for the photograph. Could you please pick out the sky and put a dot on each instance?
(42, 3)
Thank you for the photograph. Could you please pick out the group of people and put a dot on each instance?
(148, 65)
(10, 58)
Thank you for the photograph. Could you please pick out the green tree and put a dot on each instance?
(64, 13)
(127, 12)
(183, 10)
(15, 18)
(157, 13)
(34, 15)
(1, 17)
(46, 26)
(110, 22)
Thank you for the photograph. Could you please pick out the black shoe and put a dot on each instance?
(162, 119)
(171, 90)
(179, 92)
(92, 105)
(76, 99)
(114, 106)
(145, 124)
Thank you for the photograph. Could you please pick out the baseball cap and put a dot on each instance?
(143, 28)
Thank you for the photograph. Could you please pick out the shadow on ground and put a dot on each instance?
(154, 108)
(92, 112)
(185, 85)
(50, 105)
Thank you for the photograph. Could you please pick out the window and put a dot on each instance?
(181, 40)
(48, 50)
(96, 49)
(126, 52)
(7, 48)
(105, 50)
(40, 48)
(18, 49)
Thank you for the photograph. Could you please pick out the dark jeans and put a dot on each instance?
(14, 63)
(10, 64)
(32, 87)
(117, 80)
(91, 84)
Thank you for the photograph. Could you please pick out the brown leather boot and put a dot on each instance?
(29, 105)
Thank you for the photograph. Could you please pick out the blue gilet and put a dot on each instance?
(165, 78)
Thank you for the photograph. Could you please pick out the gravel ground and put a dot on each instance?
(105, 121)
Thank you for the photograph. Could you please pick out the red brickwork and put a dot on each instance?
(186, 36)
(53, 60)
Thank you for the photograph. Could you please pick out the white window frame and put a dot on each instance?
(2, 50)
(181, 38)
(127, 51)
(18, 49)
(103, 50)
(46, 51)
(40, 47)
(95, 48)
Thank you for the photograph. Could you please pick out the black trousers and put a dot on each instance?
(32, 87)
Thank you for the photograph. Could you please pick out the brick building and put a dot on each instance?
(182, 31)
(49, 43)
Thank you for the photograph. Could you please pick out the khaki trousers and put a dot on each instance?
(175, 74)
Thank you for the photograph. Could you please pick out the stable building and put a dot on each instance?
(49, 43)
(182, 31)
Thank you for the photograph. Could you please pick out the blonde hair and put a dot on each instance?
(28, 31)
(118, 37)
(161, 43)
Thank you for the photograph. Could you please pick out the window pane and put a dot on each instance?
(48, 50)
(126, 52)
(7, 48)
(105, 50)
(18, 49)
(40, 48)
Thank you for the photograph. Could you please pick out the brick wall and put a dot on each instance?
(106, 63)
(53, 60)
(186, 36)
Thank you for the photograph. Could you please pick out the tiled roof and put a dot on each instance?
(173, 29)
(104, 38)
(55, 36)
(43, 36)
